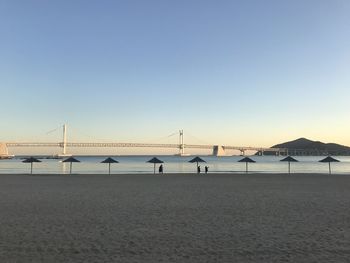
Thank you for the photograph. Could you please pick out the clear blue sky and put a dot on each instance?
(227, 72)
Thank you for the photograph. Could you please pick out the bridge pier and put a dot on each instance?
(4, 152)
(218, 150)
(261, 152)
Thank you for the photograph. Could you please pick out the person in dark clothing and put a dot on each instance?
(206, 169)
(161, 169)
(199, 169)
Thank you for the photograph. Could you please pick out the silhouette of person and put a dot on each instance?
(199, 169)
(161, 169)
(206, 169)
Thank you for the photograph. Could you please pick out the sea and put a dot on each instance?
(175, 164)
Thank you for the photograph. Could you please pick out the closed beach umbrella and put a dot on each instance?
(289, 159)
(31, 160)
(246, 160)
(109, 160)
(155, 160)
(197, 160)
(71, 160)
(329, 160)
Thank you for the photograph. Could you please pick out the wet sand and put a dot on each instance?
(175, 218)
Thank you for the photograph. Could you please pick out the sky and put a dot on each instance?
(248, 73)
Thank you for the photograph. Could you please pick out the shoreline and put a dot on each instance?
(181, 174)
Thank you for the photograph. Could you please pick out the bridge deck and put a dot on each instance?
(136, 145)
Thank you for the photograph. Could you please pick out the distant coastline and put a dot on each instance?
(306, 147)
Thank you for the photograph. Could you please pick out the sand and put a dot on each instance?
(175, 218)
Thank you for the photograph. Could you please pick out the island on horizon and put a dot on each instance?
(306, 147)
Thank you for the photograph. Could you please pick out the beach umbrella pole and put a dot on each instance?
(70, 168)
(154, 168)
(288, 167)
(31, 168)
(329, 166)
(109, 168)
(246, 167)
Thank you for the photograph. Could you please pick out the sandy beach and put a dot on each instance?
(175, 218)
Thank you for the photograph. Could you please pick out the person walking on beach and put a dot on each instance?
(198, 169)
(161, 169)
(206, 169)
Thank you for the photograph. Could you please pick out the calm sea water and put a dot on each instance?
(176, 164)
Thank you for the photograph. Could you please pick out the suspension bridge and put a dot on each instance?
(217, 150)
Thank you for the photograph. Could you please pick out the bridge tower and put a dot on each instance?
(182, 144)
(64, 143)
(64, 152)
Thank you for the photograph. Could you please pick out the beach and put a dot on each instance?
(175, 218)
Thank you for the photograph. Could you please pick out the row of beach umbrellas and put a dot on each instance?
(70, 160)
(196, 160)
(290, 159)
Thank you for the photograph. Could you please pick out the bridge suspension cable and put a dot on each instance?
(51, 131)
(197, 139)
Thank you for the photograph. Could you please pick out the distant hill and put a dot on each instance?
(305, 146)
